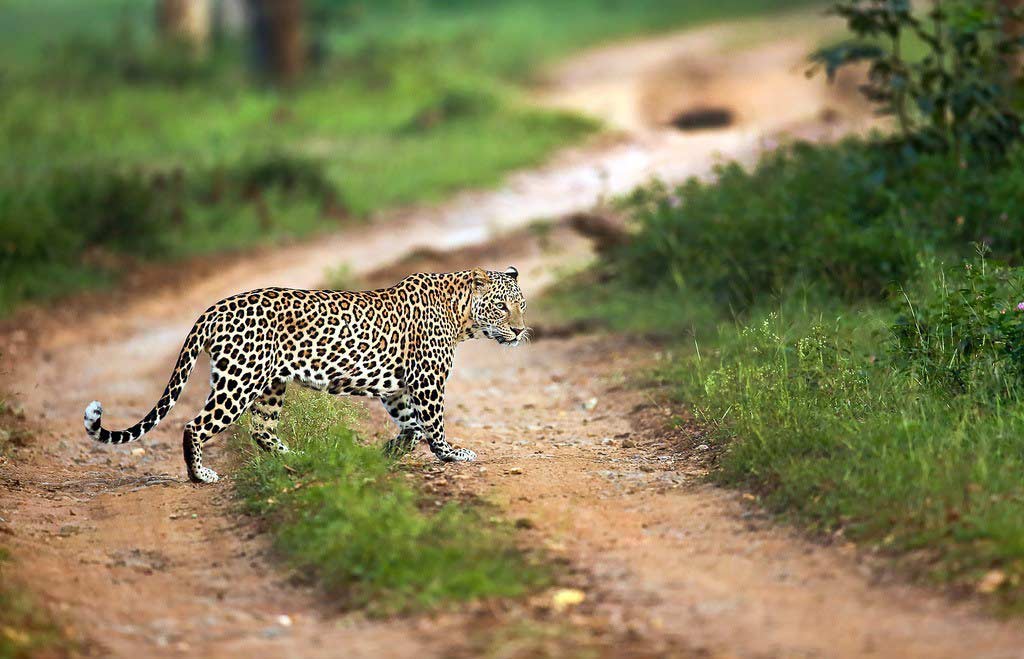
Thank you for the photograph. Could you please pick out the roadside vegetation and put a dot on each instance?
(847, 320)
(123, 149)
(359, 522)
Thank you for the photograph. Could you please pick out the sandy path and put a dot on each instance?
(145, 564)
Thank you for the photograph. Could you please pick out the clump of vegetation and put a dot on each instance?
(965, 331)
(136, 213)
(343, 510)
(943, 75)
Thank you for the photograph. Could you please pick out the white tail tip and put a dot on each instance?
(92, 416)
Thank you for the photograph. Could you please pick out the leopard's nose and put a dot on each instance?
(518, 330)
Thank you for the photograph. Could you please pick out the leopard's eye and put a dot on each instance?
(502, 306)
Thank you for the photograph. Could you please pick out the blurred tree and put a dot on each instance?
(1013, 27)
(230, 18)
(186, 22)
(279, 44)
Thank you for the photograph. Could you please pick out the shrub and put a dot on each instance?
(965, 330)
(955, 97)
(751, 234)
(851, 218)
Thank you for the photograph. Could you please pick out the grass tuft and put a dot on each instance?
(343, 510)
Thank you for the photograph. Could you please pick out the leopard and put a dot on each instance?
(396, 344)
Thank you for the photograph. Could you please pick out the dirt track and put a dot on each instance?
(143, 563)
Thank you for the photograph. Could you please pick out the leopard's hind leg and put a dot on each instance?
(399, 406)
(266, 412)
(227, 401)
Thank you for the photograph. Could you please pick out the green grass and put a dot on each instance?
(343, 512)
(849, 365)
(811, 415)
(411, 102)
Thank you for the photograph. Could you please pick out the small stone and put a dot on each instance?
(525, 523)
(564, 598)
(991, 582)
(628, 443)
(515, 470)
(284, 620)
(703, 447)
(589, 404)
(138, 451)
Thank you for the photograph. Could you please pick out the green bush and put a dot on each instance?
(965, 330)
(852, 218)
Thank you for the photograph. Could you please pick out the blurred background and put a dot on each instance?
(161, 129)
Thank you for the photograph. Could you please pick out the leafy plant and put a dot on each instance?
(957, 96)
(966, 330)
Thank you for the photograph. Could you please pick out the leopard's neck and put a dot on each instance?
(462, 307)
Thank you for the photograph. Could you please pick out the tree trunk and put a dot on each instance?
(279, 38)
(1013, 28)
(185, 21)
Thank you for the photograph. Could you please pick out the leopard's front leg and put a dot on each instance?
(428, 398)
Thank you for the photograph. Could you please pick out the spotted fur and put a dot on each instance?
(394, 343)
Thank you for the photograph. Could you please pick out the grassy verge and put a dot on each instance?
(119, 150)
(346, 512)
(856, 356)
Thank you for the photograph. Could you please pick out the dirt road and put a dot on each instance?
(141, 563)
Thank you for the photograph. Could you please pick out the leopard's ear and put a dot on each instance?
(481, 280)
(512, 272)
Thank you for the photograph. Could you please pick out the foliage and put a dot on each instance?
(343, 510)
(750, 234)
(71, 223)
(965, 330)
(957, 97)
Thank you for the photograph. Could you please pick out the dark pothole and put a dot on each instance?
(703, 118)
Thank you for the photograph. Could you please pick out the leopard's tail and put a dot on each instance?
(194, 343)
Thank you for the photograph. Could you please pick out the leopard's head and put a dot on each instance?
(498, 306)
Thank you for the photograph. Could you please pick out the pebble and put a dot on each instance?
(628, 443)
